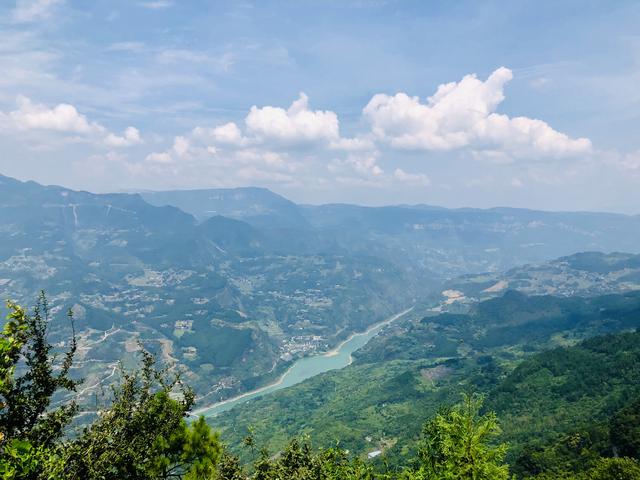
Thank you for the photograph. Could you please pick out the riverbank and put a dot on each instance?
(379, 325)
(338, 357)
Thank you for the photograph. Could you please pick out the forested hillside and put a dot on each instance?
(244, 282)
(405, 374)
(570, 412)
(233, 304)
(564, 406)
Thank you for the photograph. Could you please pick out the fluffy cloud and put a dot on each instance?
(258, 148)
(297, 124)
(66, 119)
(181, 146)
(362, 165)
(229, 134)
(130, 137)
(242, 163)
(32, 10)
(462, 115)
(61, 118)
(365, 165)
(280, 128)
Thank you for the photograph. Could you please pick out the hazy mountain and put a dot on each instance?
(257, 206)
(583, 274)
(458, 241)
(433, 240)
(244, 281)
(231, 302)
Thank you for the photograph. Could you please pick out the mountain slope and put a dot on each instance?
(257, 206)
(222, 298)
(453, 242)
(429, 241)
(399, 380)
(234, 300)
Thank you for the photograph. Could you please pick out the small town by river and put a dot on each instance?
(307, 367)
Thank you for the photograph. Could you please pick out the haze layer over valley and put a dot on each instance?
(233, 285)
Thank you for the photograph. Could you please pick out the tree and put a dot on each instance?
(298, 461)
(229, 468)
(602, 469)
(625, 430)
(29, 427)
(614, 469)
(25, 399)
(143, 434)
(457, 444)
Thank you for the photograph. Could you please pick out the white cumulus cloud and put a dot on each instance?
(229, 133)
(181, 146)
(61, 118)
(64, 118)
(296, 124)
(363, 165)
(130, 137)
(463, 115)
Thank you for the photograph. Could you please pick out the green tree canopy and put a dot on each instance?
(26, 392)
(458, 444)
(141, 434)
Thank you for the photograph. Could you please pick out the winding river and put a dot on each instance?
(306, 367)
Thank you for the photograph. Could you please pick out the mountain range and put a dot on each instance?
(232, 285)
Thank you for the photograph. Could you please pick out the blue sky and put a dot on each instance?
(529, 104)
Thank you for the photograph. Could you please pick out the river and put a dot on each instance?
(306, 367)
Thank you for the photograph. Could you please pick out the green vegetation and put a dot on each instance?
(270, 281)
(28, 383)
(142, 434)
(457, 444)
(589, 391)
(403, 375)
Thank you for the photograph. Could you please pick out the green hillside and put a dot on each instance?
(404, 375)
(568, 413)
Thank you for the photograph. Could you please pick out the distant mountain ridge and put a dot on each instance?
(223, 298)
(243, 281)
(258, 206)
(444, 242)
(581, 274)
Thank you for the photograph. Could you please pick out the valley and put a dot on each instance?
(307, 367)
(235, 302)
(319, 240)
(404, 375)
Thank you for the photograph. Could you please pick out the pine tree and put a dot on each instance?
(458, 444)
